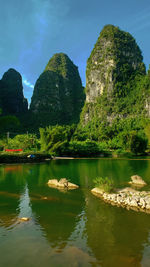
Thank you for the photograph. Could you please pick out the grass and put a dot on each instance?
(106, 184)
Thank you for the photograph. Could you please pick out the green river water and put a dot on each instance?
(71, 228)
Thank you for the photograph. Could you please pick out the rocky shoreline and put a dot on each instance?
(127, 198)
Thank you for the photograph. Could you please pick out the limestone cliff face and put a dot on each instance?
(58, 94)
(114, 63)
(12, 100)
(115, 58)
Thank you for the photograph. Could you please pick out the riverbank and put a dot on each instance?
(108, 155)
(24, 157)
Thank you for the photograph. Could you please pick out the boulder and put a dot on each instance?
(97, 190)
(148, 207)
(137, 180)
(62, 183)
(127, 190)
(72, 186)
(53, 182)
(133, 203)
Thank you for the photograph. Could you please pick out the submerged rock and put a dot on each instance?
(62, 183)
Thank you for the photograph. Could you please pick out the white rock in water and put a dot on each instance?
(97, 190)
(53, 182)
(136, 179)
(148, 207)
(63, 183)
(70, 185)
(133, 203)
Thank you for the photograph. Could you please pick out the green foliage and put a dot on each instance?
(60, 149)
(61, 141)
(53, 137)
(8, 123)
(3, 144)
(83, 148)
(115, 120)
(147, 132)
(106, 184)
(58, 95)
(138, 142)
(120, 109)
(27, 142)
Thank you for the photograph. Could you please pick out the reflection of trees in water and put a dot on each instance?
(83, 171)
(141, 167)
(58, 214)
(12, 184)
(115, 235)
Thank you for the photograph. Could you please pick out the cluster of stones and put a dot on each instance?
(127, 197)
(62, 184)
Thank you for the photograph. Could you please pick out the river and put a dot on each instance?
(72, 228)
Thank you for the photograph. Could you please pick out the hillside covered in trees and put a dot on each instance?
(113, 112)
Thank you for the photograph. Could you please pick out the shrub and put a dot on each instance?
(138, 142)
(26, 142)
(60, 148)
(83, 148)
(103, 146)
(115, 143)
(50, 136)
(106, 184)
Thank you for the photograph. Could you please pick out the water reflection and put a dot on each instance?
(11, 186)
(115, 235)
(70, 228)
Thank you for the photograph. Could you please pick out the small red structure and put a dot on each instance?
(13, 150)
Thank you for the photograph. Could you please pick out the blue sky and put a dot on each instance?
(33, 30)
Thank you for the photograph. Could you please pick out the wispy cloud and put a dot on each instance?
(27, 83)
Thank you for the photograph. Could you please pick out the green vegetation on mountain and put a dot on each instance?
(12, 100)
(58, 95)
(117, 91)
(115, 115)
